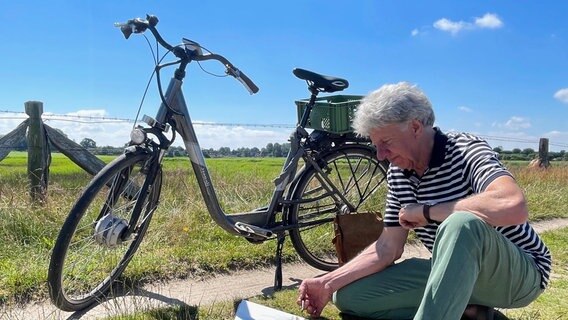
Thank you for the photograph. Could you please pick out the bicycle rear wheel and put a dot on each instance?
(356, 173)
(91, 252)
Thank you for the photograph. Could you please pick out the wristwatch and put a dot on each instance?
(426, 211)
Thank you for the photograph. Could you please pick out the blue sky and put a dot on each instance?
(495, 68)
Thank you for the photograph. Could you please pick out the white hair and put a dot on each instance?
(392, 103)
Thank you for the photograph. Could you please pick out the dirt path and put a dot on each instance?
(237, 285)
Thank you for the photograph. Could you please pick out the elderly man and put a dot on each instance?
(463, 205)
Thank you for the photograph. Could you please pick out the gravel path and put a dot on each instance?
(234, 286)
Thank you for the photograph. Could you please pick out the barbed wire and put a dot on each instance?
(102, 119)
(519, 140)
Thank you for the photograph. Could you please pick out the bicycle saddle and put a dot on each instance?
(321, 82)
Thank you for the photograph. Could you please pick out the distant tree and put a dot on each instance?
(518, 156)
(269, 150)
(516, 150)
(104, 150)
(210, 153)
(498, 149)
(255, 152)
(528, 151)
(242, 152)
(225, 151)
(88, 143)
(277, 152)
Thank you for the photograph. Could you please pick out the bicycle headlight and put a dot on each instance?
(137, 136)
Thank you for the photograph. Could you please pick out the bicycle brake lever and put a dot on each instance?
(125, 28)
(131, 26)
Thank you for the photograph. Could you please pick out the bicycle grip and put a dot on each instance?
(246, 81)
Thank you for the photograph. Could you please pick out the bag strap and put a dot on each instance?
(338, 242)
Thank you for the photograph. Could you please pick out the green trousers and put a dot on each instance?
(471, 264)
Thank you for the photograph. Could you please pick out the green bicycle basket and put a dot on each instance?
(332, 113)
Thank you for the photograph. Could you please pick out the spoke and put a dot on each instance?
(365, 192)
(354, 177)
(88, 239)
(310, 215)
(314, 190)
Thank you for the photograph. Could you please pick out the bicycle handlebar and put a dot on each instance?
(185, 53)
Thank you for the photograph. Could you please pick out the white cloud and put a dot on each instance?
(464, 109)
(514, 123)
(558, 140)
(114, 134)
(517, 123)
(451, 26)
(414, 32)
(489, 21)
(212, 136)
(9, 121)
(89, 113)
(562, 95)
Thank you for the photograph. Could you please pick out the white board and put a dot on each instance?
(252, 311)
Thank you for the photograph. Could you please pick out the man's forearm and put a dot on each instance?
(501, 204)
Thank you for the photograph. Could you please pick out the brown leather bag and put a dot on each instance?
(354, 232)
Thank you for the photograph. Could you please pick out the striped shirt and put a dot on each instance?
(461, 165)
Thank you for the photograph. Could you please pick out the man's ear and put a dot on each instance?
(416, 127)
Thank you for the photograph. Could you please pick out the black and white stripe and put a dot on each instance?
(461, 165)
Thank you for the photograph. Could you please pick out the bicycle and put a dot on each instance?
(111, 216)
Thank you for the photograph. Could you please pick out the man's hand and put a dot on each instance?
(314, 296)
(411, 216)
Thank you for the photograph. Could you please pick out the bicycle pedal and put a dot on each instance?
(249, 229)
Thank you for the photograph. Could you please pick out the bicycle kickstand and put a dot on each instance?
(278, 260)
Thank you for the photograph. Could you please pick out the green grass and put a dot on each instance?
(182, 241)
(181, 233)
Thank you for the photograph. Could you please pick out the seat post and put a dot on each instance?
(314, 93)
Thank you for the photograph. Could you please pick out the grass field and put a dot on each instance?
(181, 232)
(183, 241)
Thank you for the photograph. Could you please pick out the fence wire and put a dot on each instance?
(100, 119)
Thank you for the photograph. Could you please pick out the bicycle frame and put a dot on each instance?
(184, 127)
(259, 223)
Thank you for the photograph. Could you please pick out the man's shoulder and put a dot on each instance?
(456, 137)
(464, 141)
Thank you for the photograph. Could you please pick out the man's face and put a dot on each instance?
(397, 143)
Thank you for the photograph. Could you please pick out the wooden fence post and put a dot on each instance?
(38, 155)
(74, 151)
(13, 139)
(543, 153)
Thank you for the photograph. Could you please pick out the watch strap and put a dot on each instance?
(426, 212)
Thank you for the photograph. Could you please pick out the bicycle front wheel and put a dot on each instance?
(353, 172)
(93, 248)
